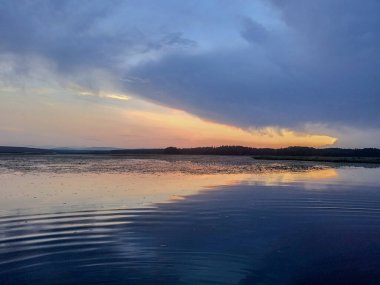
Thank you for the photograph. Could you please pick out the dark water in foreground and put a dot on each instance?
(187, 220)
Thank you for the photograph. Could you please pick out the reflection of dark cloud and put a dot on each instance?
(239, 235)
(275, 235)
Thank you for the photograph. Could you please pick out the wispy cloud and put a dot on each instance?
(105, 95)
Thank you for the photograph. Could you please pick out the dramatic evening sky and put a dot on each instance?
(190, 73)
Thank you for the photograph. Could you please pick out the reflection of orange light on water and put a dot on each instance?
(289, 177)
(320, 174)
(130, 189)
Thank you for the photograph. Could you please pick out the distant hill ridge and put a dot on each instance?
(221, 150)
(24, 150)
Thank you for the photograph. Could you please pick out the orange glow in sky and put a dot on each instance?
(119, 120)
(193, 131)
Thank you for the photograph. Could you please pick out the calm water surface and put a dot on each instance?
(187, 220)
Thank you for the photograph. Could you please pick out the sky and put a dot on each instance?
(134, 74)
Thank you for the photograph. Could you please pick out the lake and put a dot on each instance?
(82, 219)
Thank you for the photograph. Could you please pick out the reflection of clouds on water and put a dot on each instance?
(272, 234)
(129, 189)
(271, 226)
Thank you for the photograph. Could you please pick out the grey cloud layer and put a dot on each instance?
(281, 63)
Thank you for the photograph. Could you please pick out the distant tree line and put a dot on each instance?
(221, 150)
(289, 151)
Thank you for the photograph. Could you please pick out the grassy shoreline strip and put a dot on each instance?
(375, 160)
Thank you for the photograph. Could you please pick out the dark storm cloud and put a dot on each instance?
(249, 90)
(328, 73)
(253, 32)
(301, 62)
(79, 34)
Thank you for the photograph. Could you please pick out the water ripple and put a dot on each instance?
(247, 233)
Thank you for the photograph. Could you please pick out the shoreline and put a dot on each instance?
(372, 160)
